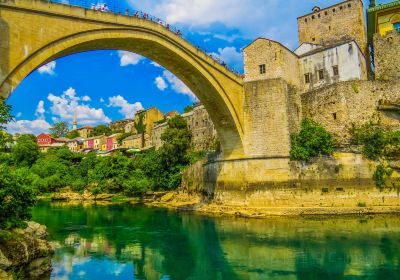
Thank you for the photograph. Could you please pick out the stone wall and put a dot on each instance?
(387, 56)
(342, 21)
(337, 106)
(271, 113)
(279, 62)
(341, 184)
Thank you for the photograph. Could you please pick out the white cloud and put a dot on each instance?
(128, 58)
(26, 126)
(86, 98)
(177, 85)
(39, 113)
(48, 68)
(160, 82)
(64, 107)
(127, 109)
(156, 64)
(19, 114)
(230, 56)
(248, 19)
(101, 100)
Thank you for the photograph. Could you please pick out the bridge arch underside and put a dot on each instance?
(188, 67)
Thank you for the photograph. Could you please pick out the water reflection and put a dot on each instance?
(137, 242)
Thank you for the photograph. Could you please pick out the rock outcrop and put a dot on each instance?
(25, 253)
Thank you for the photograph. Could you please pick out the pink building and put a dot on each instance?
(109, 143)
(91, 143)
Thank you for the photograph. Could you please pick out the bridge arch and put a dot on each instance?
(219, 90)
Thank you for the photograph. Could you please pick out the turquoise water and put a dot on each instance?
(138, 242)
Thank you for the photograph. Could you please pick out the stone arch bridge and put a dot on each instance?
(34, 32)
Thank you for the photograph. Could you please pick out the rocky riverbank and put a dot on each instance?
(25, 253)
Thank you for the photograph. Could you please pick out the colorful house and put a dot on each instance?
(112, 142)
(383, 18)
(45, 139)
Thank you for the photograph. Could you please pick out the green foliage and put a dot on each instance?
(361, 204)
(25, 152)
(101, 129)
(59, 129)
(381, 174)
(188, 109)
(312, 141)
(376, 143)
(16, 197)
(5, 113)
(140, 127)
(72, 134)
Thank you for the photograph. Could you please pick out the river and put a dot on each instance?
(138, 242)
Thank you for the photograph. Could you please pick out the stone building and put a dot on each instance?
(340, 22)
(324, 65)
(135, 141)
(201, 126)
(84, 131)
(158, 130)
(332, 49)
(120, 124)
(150, 116)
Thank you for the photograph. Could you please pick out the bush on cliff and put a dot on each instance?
(312, 141)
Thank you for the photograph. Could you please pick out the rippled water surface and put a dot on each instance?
(138, 242)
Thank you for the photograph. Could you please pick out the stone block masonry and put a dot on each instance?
(387, 56)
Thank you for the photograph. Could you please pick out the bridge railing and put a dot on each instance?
(120, 9)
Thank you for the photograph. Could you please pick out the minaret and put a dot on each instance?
(75, 125)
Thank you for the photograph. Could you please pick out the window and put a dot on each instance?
(326, 13)
(335, 70)
(305, 19)
(262, 69)
(349, 5)
(321, 74)
(319, 15)
(334, 10)
(313, 17)
(334, 116)
(307, 78)
(397, 26)
(313, 39)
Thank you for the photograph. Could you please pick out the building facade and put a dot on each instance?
(340, 22)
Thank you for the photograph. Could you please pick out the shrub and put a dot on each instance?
(16, 198)
(312, 141)
(381, 174)
(26, 151)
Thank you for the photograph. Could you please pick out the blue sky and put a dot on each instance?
(109, 85)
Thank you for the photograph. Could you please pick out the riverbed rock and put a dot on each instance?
(25, 250)
(4, 262)
(167, 197)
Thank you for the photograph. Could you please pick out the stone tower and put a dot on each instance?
(342, 21)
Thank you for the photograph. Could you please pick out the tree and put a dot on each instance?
(72, 134)
(59, 129)
(5, 117)
(177, 140)
(16, 198)
(101, 129)
(5, 113)
(188, 109)
(140, 127)
(312, 141)
(26, 151)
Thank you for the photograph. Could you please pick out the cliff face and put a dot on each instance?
(25, 253)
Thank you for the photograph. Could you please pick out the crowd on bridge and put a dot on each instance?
(139, 14)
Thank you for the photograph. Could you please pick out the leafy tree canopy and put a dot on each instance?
(312, 141)
(188, 109)
(72, 134)
(101, 129)
(59, 129)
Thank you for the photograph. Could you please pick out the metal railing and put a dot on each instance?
(115, 8)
